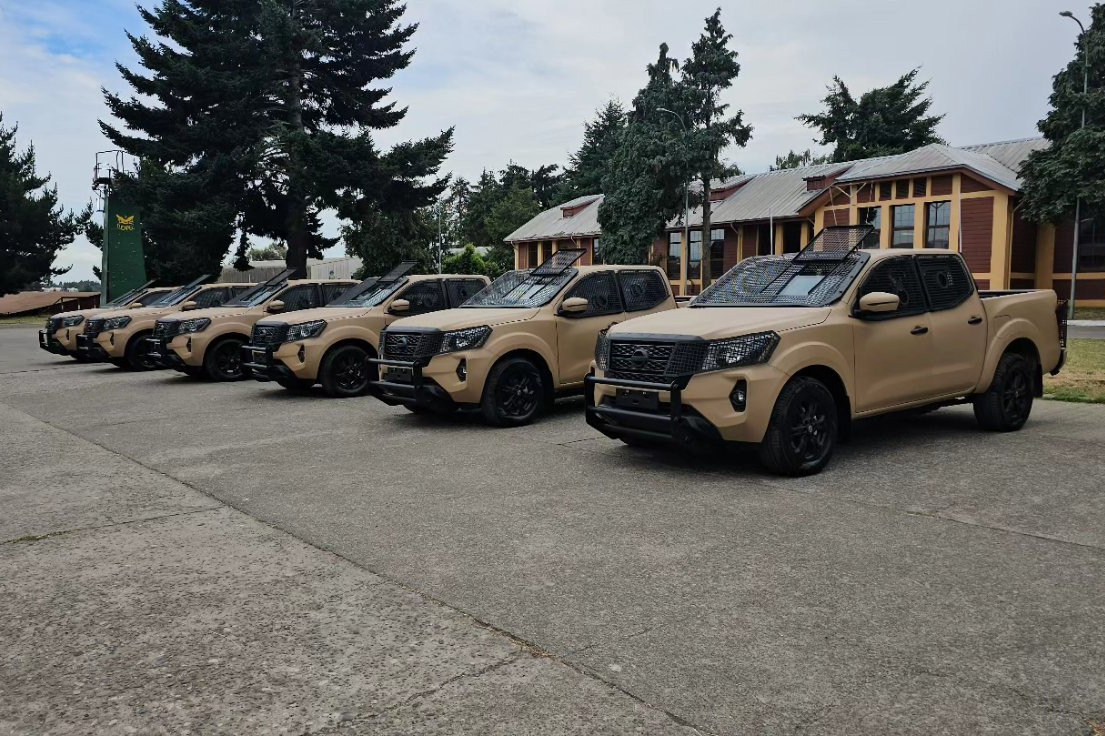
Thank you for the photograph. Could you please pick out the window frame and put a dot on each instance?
(922, 308)
(930, 228)
(694, 267)
(964, 272)
(675, 240)
(877, 224)
(895, 228)
(652, 274)
(1091, 261)
(617, 308)
(419, 284)
(314, 288)
(720, 248)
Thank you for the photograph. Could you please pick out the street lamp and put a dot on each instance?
(1078, 199)
(685, 261)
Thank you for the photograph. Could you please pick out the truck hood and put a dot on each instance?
(139, 312)
(330, 314)
(213, 313)
(459, 319)
(80, 313)
(715, 323)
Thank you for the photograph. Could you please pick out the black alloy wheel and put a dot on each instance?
(1006, 405)
(514, 393)
(345, 371)
(223, 361)
(802, 432)
(137, 354)
(808, 419)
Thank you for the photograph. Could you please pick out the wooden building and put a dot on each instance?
(937, 196)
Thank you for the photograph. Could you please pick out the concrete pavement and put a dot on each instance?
(935, 579)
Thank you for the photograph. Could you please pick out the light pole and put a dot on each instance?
(1078, 199)
(685, 260)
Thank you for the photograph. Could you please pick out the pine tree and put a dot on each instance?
(33, 227)
(794, 160)
(1073, 165)
(591, 163)
(269, 109)
(884, 121)
(382, 239)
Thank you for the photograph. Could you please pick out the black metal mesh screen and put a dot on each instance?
(642, 289)
(52, 324)
(783, 280)
(653, 360)
(835, 242)
(166, 328)
(601, 292)
(558, 262)
(94, 327)
(264, 335)
(410, 345)
(897, 276)
(946, 280)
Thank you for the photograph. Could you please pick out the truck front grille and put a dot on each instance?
(265, 335)
(94, 327)
(411, 345)
(52, 325)
(656, 362)
(165, 329)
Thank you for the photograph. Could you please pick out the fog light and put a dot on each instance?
(462, 369)
(302, 353)
(739, 396)
(188, 346)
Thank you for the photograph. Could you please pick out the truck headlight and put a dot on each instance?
(745, 350)
(72, 321)
(469, 339)
(115, 323)
(305, 330)
(193, 325)
(602, 351)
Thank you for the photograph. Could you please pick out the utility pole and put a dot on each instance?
(685, 261)
(1078, 200)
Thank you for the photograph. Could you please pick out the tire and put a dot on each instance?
(344, 372)
(420, 410)
(803, 430)
(223, 360)
(295, 385)
(119, 363)
(1005, 406)
(514, 394)
(192, 371)
(136, 355)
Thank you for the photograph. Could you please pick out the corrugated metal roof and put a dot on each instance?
(1010, 154)
(780, 193)
(29, 302)
(552, 224)
(930, 158)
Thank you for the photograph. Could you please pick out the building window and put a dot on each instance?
(792, 237)
(531, 255)
(675, 254)
(902, 215)
(919, 187)
(764, 245)
(596, 256)
(871, 216)
(1091, 244)
(938, 221)
(903, 188)
(886, 190)
(717, 253)
(694, 259)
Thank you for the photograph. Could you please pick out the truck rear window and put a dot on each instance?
(783, 280)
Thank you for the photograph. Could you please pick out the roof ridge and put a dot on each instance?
(1004, 143)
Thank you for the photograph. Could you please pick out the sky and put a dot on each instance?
(518, 78)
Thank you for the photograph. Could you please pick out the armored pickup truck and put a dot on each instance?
(208, 342)
(512, 348)
(785, 352)
(119, 336)
(331, 345)
(62, 330)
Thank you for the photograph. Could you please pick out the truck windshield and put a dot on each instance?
(783, 281)
(257, 295)
(176, 297)
(521, 289)
(369, 293)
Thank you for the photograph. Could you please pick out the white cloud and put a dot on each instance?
(518, 77)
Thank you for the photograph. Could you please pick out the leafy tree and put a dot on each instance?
(794, 160)
(382, 239)
(271, 252)
(1073, 165)
(588, 166)
(33, 227)
(267, 109)
(884, 121)
(518, 205)
(467, 261)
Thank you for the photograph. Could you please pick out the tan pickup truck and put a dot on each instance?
(512, 348)
(785, 352)
(63, 330)
(120, 336)
(330, 345)
(208, 342)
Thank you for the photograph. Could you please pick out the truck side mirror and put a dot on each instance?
(878, 302)
(574, 305)
(399, 306)
(188, 306)
(275, 306)
(134, 305)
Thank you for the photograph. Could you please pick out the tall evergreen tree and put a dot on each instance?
(33, 227)
(591, 163)
(269, 108)
(1073, 165)
(382, 239)
(794, 160)
(882, 122)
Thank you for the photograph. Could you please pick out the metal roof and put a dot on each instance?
(1010, 154)
(552, 224)
(928, 159)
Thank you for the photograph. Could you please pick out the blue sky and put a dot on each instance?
(518, 78)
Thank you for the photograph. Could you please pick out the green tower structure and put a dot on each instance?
(123, 267)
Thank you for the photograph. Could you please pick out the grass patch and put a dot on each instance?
(1083, 377)
(39, 320)
(1089, 313)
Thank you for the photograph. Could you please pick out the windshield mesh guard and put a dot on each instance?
(558, 262)
(835, 243)
(765, 280)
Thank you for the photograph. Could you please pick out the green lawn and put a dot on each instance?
(1083, 377)
(1089, 312)
(21, 321)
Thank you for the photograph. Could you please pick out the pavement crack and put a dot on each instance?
(93, 527)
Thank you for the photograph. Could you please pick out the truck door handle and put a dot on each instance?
(976, 320)
(919, 330)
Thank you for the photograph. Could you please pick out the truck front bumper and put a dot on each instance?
(51, 344)
(89, 349)
(630, 415)
(162, 355)
(263, 365)
(404, 383)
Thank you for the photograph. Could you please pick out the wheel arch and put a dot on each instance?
(835, 383)
(534, 357)
(1027, 348)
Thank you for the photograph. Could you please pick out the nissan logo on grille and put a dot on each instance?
(639, 358)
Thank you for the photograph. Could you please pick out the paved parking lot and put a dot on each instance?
(236, 559)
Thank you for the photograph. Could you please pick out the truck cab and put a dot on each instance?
(64, 329)
(208, 342)
(511, 349)
(119, 336)
(785, 352)
(330, 345)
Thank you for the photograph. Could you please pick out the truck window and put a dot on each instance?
(330, 292)
(424, 296)
(210, 298)
(601, 290)
(303, 296)
(461, 290)
(896, 276)
(946, 281)
(642, 289)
